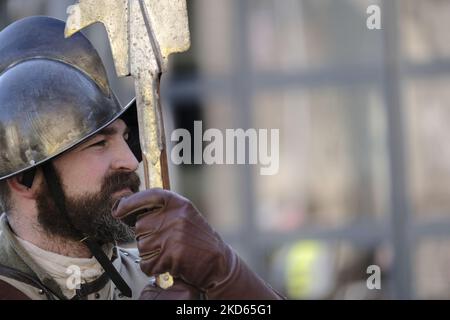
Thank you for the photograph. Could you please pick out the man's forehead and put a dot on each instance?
(117, 127)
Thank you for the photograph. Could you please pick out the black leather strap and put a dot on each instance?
(91, 287)
(108, 267)
(28, 177)
(9, 292)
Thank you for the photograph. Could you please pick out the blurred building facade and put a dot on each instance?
(364, 173)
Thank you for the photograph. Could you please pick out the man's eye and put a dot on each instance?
(101, 143)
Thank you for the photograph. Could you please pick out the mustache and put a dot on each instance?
(119, 181)
(89, 213)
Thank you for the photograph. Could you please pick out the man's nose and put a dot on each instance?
(124, 158)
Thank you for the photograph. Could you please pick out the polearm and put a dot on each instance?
(142, 34)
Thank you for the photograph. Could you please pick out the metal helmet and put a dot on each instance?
(54, 94)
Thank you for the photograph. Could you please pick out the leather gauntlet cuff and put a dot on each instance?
(179, 291)
(241, 283)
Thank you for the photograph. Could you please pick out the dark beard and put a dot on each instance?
(90, 214)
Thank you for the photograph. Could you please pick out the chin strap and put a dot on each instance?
(112, 272)
(28, 177)
(58, 196)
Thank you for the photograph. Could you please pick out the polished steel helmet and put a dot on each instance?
(54, 94)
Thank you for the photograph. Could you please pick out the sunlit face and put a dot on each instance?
(93, 177)
(83, 169)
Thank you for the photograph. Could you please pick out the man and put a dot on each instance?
(69, 190)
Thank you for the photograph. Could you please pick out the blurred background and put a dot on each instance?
(364, 173)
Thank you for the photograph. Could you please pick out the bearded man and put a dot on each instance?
(69, 189)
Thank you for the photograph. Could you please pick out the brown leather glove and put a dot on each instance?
(179, 291)
(173, 236)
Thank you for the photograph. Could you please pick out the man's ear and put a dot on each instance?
(17, 185)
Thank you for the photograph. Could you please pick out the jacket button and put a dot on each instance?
(97, 295)
(120, 295)
(125, 253)
(41, 292)
(137, 260)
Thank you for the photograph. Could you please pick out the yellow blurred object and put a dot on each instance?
(308, 273)
(164, 280)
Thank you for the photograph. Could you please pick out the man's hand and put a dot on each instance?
(172, 236)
